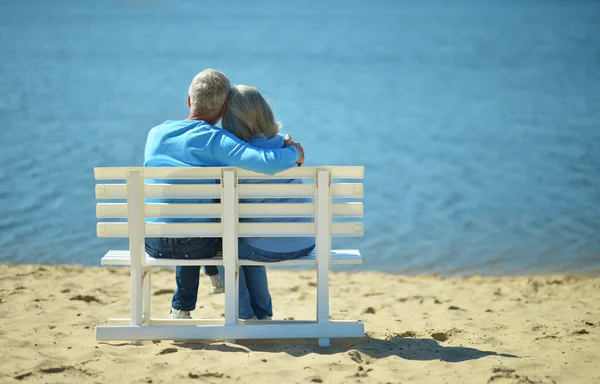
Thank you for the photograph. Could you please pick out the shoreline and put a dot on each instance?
(421, 329)
(414, 272)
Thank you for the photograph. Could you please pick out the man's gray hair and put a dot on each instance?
(248, 115)
(208, 92)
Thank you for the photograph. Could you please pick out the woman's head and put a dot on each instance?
(248, 115)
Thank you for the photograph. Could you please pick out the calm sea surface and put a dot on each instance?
(478, 122)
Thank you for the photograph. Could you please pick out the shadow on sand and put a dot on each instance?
(406, 348)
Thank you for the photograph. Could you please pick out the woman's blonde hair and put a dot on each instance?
(248, 115)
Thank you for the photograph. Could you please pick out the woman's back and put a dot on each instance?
(272, 244)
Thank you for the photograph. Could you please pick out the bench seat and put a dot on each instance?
(338, 257)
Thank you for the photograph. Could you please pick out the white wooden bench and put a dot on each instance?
(134, 190)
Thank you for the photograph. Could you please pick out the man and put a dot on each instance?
(196, 141)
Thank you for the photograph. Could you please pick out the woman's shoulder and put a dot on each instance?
(273, 142)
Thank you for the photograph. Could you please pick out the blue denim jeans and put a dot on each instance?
(247, 251)
(187, 277)
(254, 296)
(210, 270)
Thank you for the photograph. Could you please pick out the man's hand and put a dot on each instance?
(290, 143)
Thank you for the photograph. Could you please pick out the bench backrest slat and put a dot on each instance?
(213, 188)
(246, 210)
(345, 229)
(245, 191)
(120, 173)
(162, 230)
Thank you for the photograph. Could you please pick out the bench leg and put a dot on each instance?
(137, 296)
(323, 343)
(146, 288)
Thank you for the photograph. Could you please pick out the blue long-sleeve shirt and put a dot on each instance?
(197, 143)
(276, 244)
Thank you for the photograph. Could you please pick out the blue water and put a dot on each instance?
(478, 122)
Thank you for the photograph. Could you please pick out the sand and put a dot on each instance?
(421, 329)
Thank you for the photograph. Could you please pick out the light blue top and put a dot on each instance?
(196, 143)
(276, 244)
(199, 144)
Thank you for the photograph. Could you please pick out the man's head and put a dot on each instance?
(207, 95)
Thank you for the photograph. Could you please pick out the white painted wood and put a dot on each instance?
(276, 229)
(212, 191)
(188, 322)
(275, 210)
(162, 229)
(347, 210)
(167, 321)
(184, 230)
(229, 191)
(339, 172)
(120, 173)
(135, 204)
(183, 191)
(167, 191)
(233, 331)
(347, 191)
(344, 229)
(262, 210)
(338, 257)
(121, 257)
(283, 210)
(146, 300)
(339, 191)
(163, 210)
(323, 244)
(251, 191)
(230, 241)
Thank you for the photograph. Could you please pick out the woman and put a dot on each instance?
(249, 117)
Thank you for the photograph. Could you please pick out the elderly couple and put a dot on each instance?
(249, 139)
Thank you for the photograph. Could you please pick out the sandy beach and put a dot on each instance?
(422, 329)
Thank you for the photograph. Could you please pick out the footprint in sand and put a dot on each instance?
(192, 375)
(21, 376)
(355, 355)
(167, 351)
(59, 369)
(86, 298)
(507, 373)
(403, 334)
(164, 292)
(440, 336)
(581, 332)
